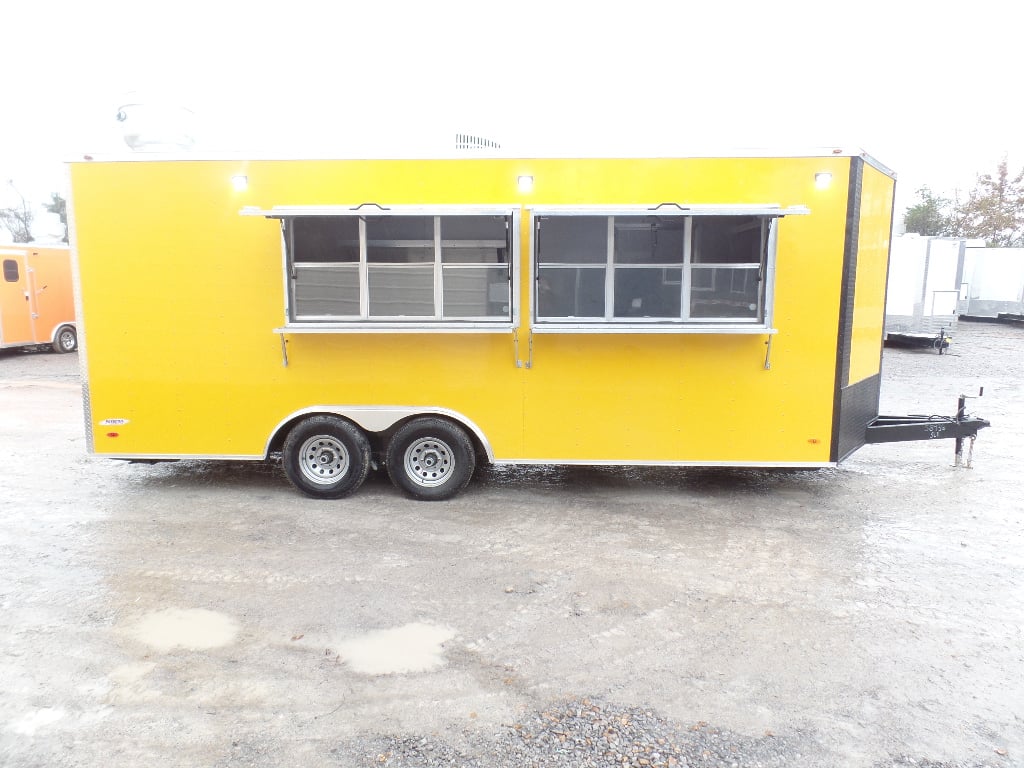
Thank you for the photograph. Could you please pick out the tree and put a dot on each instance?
(928, 217)
(59, 206)
(993, 210)
(17, 219)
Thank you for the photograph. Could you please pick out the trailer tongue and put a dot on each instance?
(897, 429)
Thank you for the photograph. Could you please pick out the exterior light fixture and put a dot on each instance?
(240, 182)
(823, 180)
(525, 183)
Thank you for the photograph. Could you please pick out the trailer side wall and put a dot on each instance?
(181, 296)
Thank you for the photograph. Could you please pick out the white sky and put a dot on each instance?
(931, 89)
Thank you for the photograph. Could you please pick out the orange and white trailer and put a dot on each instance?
(37, 299)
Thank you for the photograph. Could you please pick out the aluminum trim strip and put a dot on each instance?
(623, 463)
(653, 209)
(878, 166)
(178, 456)
(286, 211)
(674, 152)
(717, 209)
(604, 327)
(80, 324)
(363, 327)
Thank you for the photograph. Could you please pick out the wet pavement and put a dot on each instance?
(203, 613)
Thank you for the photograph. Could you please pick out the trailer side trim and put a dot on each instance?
(644, 463)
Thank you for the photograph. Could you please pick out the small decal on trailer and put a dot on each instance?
(113, 422)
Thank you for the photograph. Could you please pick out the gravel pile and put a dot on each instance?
(595, 734)
(905, 761)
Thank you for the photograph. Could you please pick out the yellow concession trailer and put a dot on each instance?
(37, 301)
(432, 314)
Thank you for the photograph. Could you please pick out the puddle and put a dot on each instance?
(411, 648)
(193, 629)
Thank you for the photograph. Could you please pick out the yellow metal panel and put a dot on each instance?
(181, 293)
(875, 229)
(708, 398)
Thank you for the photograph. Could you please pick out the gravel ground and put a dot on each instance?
(203, 613)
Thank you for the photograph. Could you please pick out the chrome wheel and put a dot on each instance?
(430, 458)
(429, 462)
(66, 340)
(326, 457)
(323, 459)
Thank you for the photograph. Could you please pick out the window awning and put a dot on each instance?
(661, 209)
(672, 209)
(373, 209)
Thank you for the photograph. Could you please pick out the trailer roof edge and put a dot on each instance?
(717, 152)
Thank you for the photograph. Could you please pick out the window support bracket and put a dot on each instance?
(768, 354)
(284, 351)
(515, 341)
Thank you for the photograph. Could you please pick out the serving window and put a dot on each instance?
(400, 267)
(638, 269)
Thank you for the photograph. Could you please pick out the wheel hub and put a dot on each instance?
(324, 460)
(429, 462)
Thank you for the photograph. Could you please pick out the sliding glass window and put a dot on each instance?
(636, 268)
(399, 267)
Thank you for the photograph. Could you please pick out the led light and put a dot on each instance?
(525, 183)
(822, 180)
(240, 183)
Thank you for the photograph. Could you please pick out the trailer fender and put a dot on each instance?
(378, 419)
(61, 341)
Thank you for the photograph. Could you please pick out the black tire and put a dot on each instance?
(326, 457)
(430, 459)
(65, 340)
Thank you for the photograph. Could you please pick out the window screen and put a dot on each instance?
(727, 266)
(641, 268)
(400, 267)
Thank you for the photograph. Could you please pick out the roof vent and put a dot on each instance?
(156, 127)
(466, 141)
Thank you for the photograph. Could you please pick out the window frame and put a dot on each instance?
(16, 271)
(683, 324)
(366, 322)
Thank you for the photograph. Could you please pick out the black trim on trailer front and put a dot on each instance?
(844, 335)
(858, 406)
